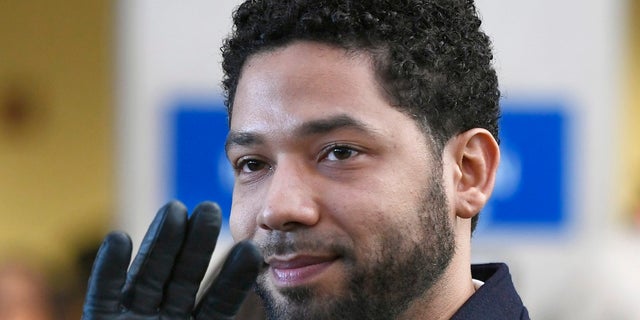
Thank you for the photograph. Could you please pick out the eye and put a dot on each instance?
(340, 153)
(250, 165)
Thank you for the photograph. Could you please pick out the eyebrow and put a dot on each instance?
(309, 128)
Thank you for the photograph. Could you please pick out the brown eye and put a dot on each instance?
(341, 153)
(250, 165)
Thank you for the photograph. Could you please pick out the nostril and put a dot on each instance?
(288, 215)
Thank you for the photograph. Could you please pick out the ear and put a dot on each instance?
(476, 155)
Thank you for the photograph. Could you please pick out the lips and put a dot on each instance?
(298, 270)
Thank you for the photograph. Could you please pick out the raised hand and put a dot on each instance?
(166, 273)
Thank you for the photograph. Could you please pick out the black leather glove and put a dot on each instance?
(166, 273)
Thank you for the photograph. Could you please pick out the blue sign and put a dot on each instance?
(200, 170)
(530, 186)
(530, 189)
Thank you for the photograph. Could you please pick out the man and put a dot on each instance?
(363, 135)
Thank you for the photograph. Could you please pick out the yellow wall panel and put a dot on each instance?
(56, 116)
(629, 188)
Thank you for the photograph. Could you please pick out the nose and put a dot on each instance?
(290, 201)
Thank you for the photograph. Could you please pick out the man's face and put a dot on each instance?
(337, 187)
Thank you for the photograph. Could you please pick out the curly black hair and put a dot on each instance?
(430, 56)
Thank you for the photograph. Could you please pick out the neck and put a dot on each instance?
(453, 288)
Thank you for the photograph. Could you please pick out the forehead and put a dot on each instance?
(306, 80)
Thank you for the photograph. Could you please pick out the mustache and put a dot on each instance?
(280, 243)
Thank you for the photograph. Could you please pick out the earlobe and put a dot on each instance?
(477, 158)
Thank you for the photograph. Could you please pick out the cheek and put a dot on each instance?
(242, 222)
(362, 213)
(380, 205)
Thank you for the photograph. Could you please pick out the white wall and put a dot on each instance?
(568, 49)
(165, 48)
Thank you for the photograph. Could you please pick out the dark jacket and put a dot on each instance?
(497, 299)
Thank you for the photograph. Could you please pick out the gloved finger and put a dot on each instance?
(108, 276)
(230, 288)
(202, 233)
(152, 266)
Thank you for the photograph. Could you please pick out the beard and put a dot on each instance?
(382, 287)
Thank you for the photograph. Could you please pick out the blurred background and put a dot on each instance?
(108, 109)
